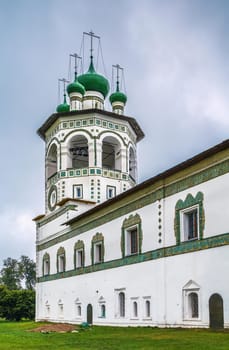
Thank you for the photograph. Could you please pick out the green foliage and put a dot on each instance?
(10, 275)
(16, 273)
(17, 304)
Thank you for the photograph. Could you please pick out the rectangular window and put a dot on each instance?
(98, 252)
(77, 191)
(111, 192)
(79, 258)
(190, 219)
(61, 263)
(132, 241)
(46, 267)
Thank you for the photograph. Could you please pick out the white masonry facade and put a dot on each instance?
(110, 252)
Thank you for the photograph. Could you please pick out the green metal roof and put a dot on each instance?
(93, 81)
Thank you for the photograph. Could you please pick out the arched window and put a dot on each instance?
(147, 308)
(78, 149)
(46, 264)
(51, 161)
(132, 163)
(61, 260)
(193, 304)
(79, 310)
(121, 304)
(103, 310)
(135, 309)
(111, 154)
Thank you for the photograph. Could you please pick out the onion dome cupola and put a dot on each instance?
(75, 90)
(96, 86)
(118, 99)
(63, 107)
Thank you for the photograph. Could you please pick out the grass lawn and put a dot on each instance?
(15, 336)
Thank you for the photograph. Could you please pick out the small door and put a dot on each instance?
(89, 314)
(216, 311)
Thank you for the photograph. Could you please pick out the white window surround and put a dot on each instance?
(60, 309)
(184, 223)
(134, 308)
(120, 307)
(147, 305)
(78, 191)
(189, 290)
(78, 309)
(111, 192)
(61, 259)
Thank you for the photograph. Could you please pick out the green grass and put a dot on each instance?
(15, 336)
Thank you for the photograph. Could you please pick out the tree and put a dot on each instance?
(17, 274)
(27, 271)
(17, 304)
(10, 274)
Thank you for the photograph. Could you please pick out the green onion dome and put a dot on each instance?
(75, 86)
(94, 82)
(118, 96)
(63, 107)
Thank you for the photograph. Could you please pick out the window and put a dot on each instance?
(121, 304)
(103, 310)
(193, 305)
(79, 254)
(111, 192)
(78, 308)
(79, 258)
(61, 260)
(47, 309)
(60, 309)
(191, 301)
(135, 309)
(97, 248)
(61, 263)
(189, 218)
(46, 264)
(77, 191)
(147, 308)
(190, 224)
(98, 252)
(131, 239)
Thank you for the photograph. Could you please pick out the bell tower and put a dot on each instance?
(90, 152)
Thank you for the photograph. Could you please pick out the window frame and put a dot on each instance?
(113, 189)
(185, 224)
(74, 191)
(191, 288)
(97, 241)
(133, 222)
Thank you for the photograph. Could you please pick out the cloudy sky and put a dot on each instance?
(175, 54)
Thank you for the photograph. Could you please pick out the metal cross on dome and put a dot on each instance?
(92, 35)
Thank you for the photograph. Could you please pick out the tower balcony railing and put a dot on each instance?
(93, 171)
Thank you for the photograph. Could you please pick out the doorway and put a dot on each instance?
(89, 314)
(216, 311)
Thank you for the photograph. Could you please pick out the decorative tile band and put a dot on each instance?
(185, 247)
(71, 173)
(133, 202)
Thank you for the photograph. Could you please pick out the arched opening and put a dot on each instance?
(121, 297)
(147, 308)
(216, 316)
(89, 314)
(51, 161)
(132, 164)
(135, 309)
(78, 148)
(103, 310)
(193, 305)
(111, 154)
